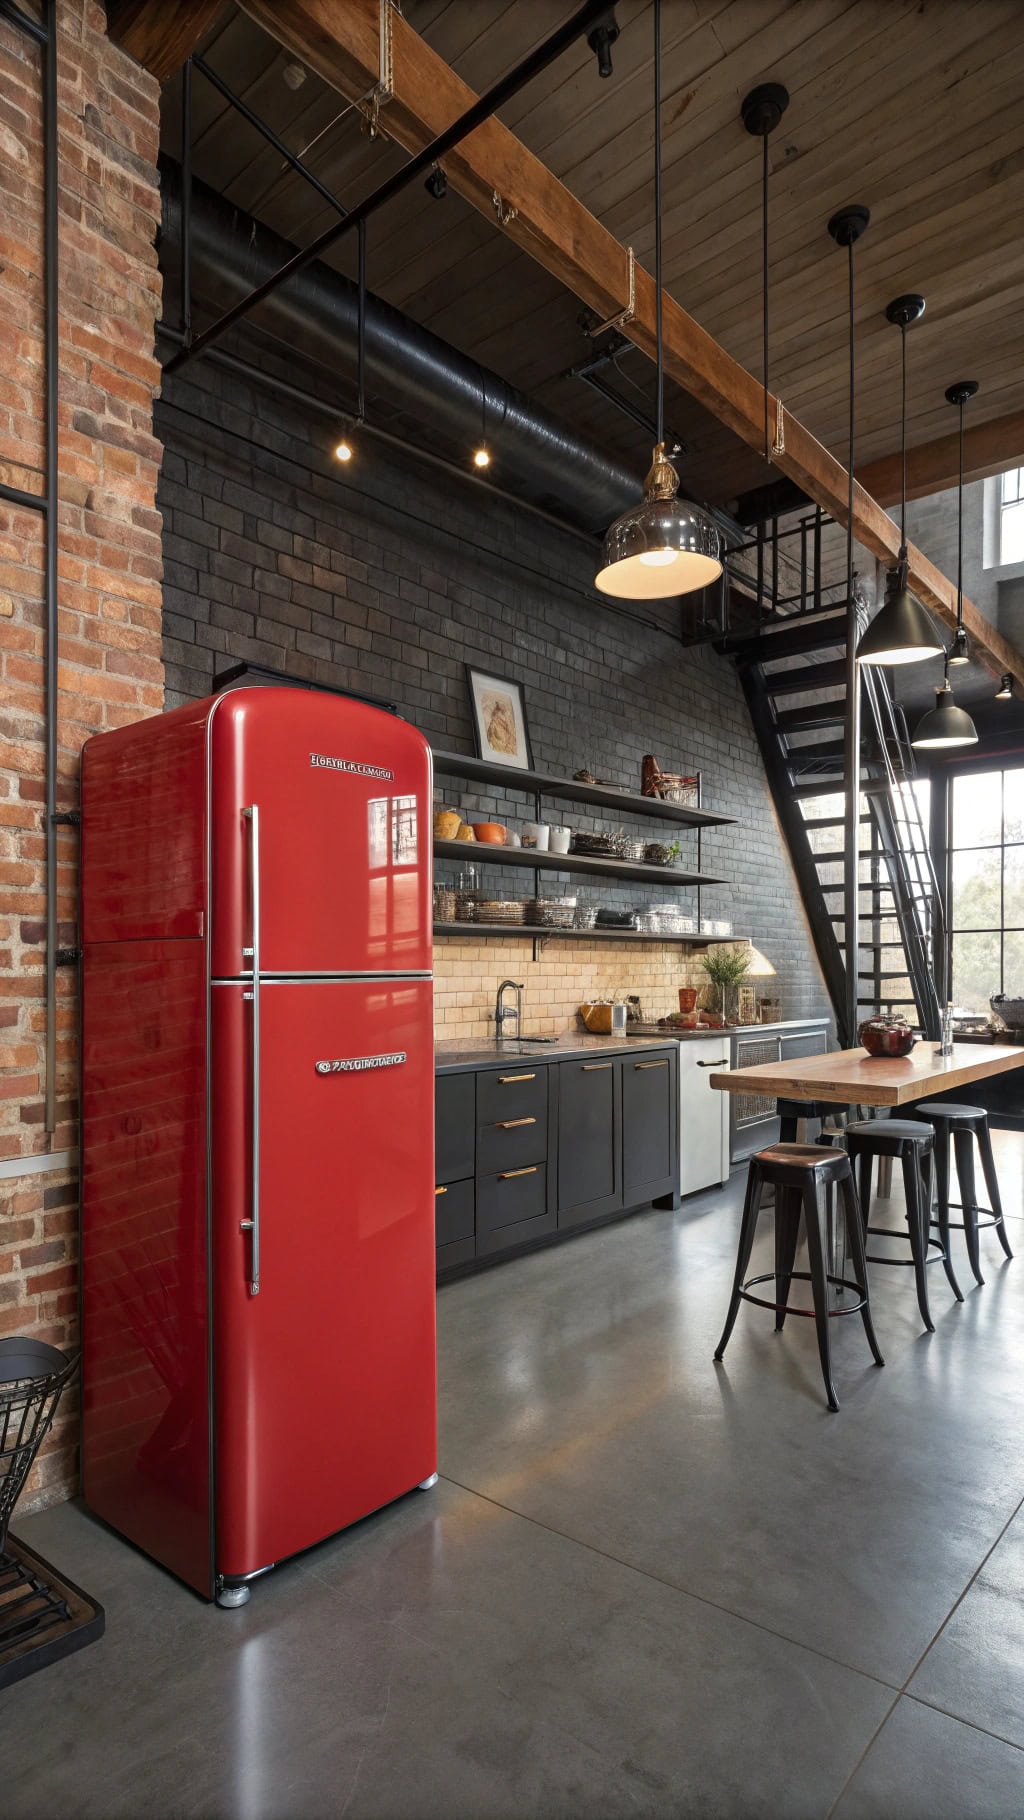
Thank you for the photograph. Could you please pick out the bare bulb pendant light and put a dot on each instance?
(902, 633)
(1005, 689)
(664, 545)
(960, 650)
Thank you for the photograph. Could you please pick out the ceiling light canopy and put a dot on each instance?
(945, 725)
(664, 545)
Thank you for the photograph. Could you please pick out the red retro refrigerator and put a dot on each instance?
(257, 1127)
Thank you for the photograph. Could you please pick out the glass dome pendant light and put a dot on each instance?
(902, 633)
(960, 650)
(664, 545)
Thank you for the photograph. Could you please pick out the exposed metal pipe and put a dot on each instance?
(482, 109)
(51, 351)
(408, 369)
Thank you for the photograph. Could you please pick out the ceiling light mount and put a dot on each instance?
(847, 225)
(962, 392)
(762, 110)
(601, 36)
(903, 311)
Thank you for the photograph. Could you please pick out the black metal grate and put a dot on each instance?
(32, 1378)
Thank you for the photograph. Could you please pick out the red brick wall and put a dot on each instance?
(109, 587)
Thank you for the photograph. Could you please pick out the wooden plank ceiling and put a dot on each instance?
(910, 106)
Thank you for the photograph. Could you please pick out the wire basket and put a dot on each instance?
(32, 1379)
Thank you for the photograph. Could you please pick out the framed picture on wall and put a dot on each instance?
(499, 720)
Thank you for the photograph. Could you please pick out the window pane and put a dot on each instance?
(975, 971)
(977, 809)
(1013, 966)
(1013, 888)
(1010, 485)
(1013, 805)
(1011, 533)
(976, 897)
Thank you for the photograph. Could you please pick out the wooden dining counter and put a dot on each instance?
(851, 1077)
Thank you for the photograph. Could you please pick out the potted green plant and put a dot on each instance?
(725, 968)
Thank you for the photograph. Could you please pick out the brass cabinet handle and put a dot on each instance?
(507, 1174)
(593, 1067)
(507, 1079)
(440, 1191)
(510, 1124)
(662, 1064)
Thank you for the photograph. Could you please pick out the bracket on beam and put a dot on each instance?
(620, 320)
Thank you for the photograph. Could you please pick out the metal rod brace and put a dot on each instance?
(620, 320)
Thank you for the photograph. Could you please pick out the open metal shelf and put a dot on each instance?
(530, 932)
(540, 783)
(623, 870)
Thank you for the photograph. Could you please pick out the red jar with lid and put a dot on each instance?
(886, 1036)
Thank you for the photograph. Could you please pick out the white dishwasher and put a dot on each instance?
(703, 1112)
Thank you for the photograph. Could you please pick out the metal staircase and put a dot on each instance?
(793, 674)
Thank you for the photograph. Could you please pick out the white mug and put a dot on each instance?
(535, 834)
(558, 840)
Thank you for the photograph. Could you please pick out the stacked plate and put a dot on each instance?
(550, 913)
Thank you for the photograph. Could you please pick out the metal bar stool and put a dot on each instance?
(965, 1125)
(797, 1172)
(912, 1143)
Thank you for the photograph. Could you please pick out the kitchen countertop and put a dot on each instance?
(471, 1052)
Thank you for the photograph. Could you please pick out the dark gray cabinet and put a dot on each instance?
(649, 1141)
(589, 1139)
(529, 1149)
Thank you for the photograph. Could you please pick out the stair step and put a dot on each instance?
(807, 676)
(882, 977)
(810, 632)
(827, 750)
(803, 792)
(812, 714)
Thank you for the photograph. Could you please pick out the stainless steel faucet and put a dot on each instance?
(503, 1012)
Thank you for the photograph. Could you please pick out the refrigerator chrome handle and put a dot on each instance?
(252, 1226)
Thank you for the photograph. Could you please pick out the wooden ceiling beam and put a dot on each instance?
(989, 448)
(159, 36)
(493, 170)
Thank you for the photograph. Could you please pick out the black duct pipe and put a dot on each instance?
(451, 397)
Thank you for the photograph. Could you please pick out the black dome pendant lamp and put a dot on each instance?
(903, 632)
(946, 725)
(665, 545)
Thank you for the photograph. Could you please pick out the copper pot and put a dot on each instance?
(886, 1036)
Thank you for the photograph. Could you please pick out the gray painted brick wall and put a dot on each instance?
(388, 578)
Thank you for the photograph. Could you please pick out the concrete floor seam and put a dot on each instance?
(954, 1608)
(727, 1611)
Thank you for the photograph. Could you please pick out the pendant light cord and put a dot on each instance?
(960, 530)
(764, 286)
(660, 437)
(849, 462)
(903, 437)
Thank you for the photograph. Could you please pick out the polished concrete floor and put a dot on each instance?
(644, 1585)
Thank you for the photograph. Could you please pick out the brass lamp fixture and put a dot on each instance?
(902, 633)
(664, 545)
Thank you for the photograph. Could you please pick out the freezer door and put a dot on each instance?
(339, 846)
(324, 1378)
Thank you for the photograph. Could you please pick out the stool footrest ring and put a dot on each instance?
(935, 1246)
(804, 1276)
(993, 1219)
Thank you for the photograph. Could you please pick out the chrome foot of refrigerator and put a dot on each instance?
(229, 1597)
(428, 1484)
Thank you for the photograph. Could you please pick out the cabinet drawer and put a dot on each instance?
(511, 1196)
(454, 1212)
(454, 1126)
(810, 1042)
(517, 1091)
(512, 1141)
(460, 1251)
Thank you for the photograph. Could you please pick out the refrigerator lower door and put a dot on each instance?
(145, 1276)
(703, 1114)
(325, 1386)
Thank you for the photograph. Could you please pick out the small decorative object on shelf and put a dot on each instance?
(769, 1011)
(447, 823)
(725, 968)
(669, 785)
(886, 1036)
(499, 720)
